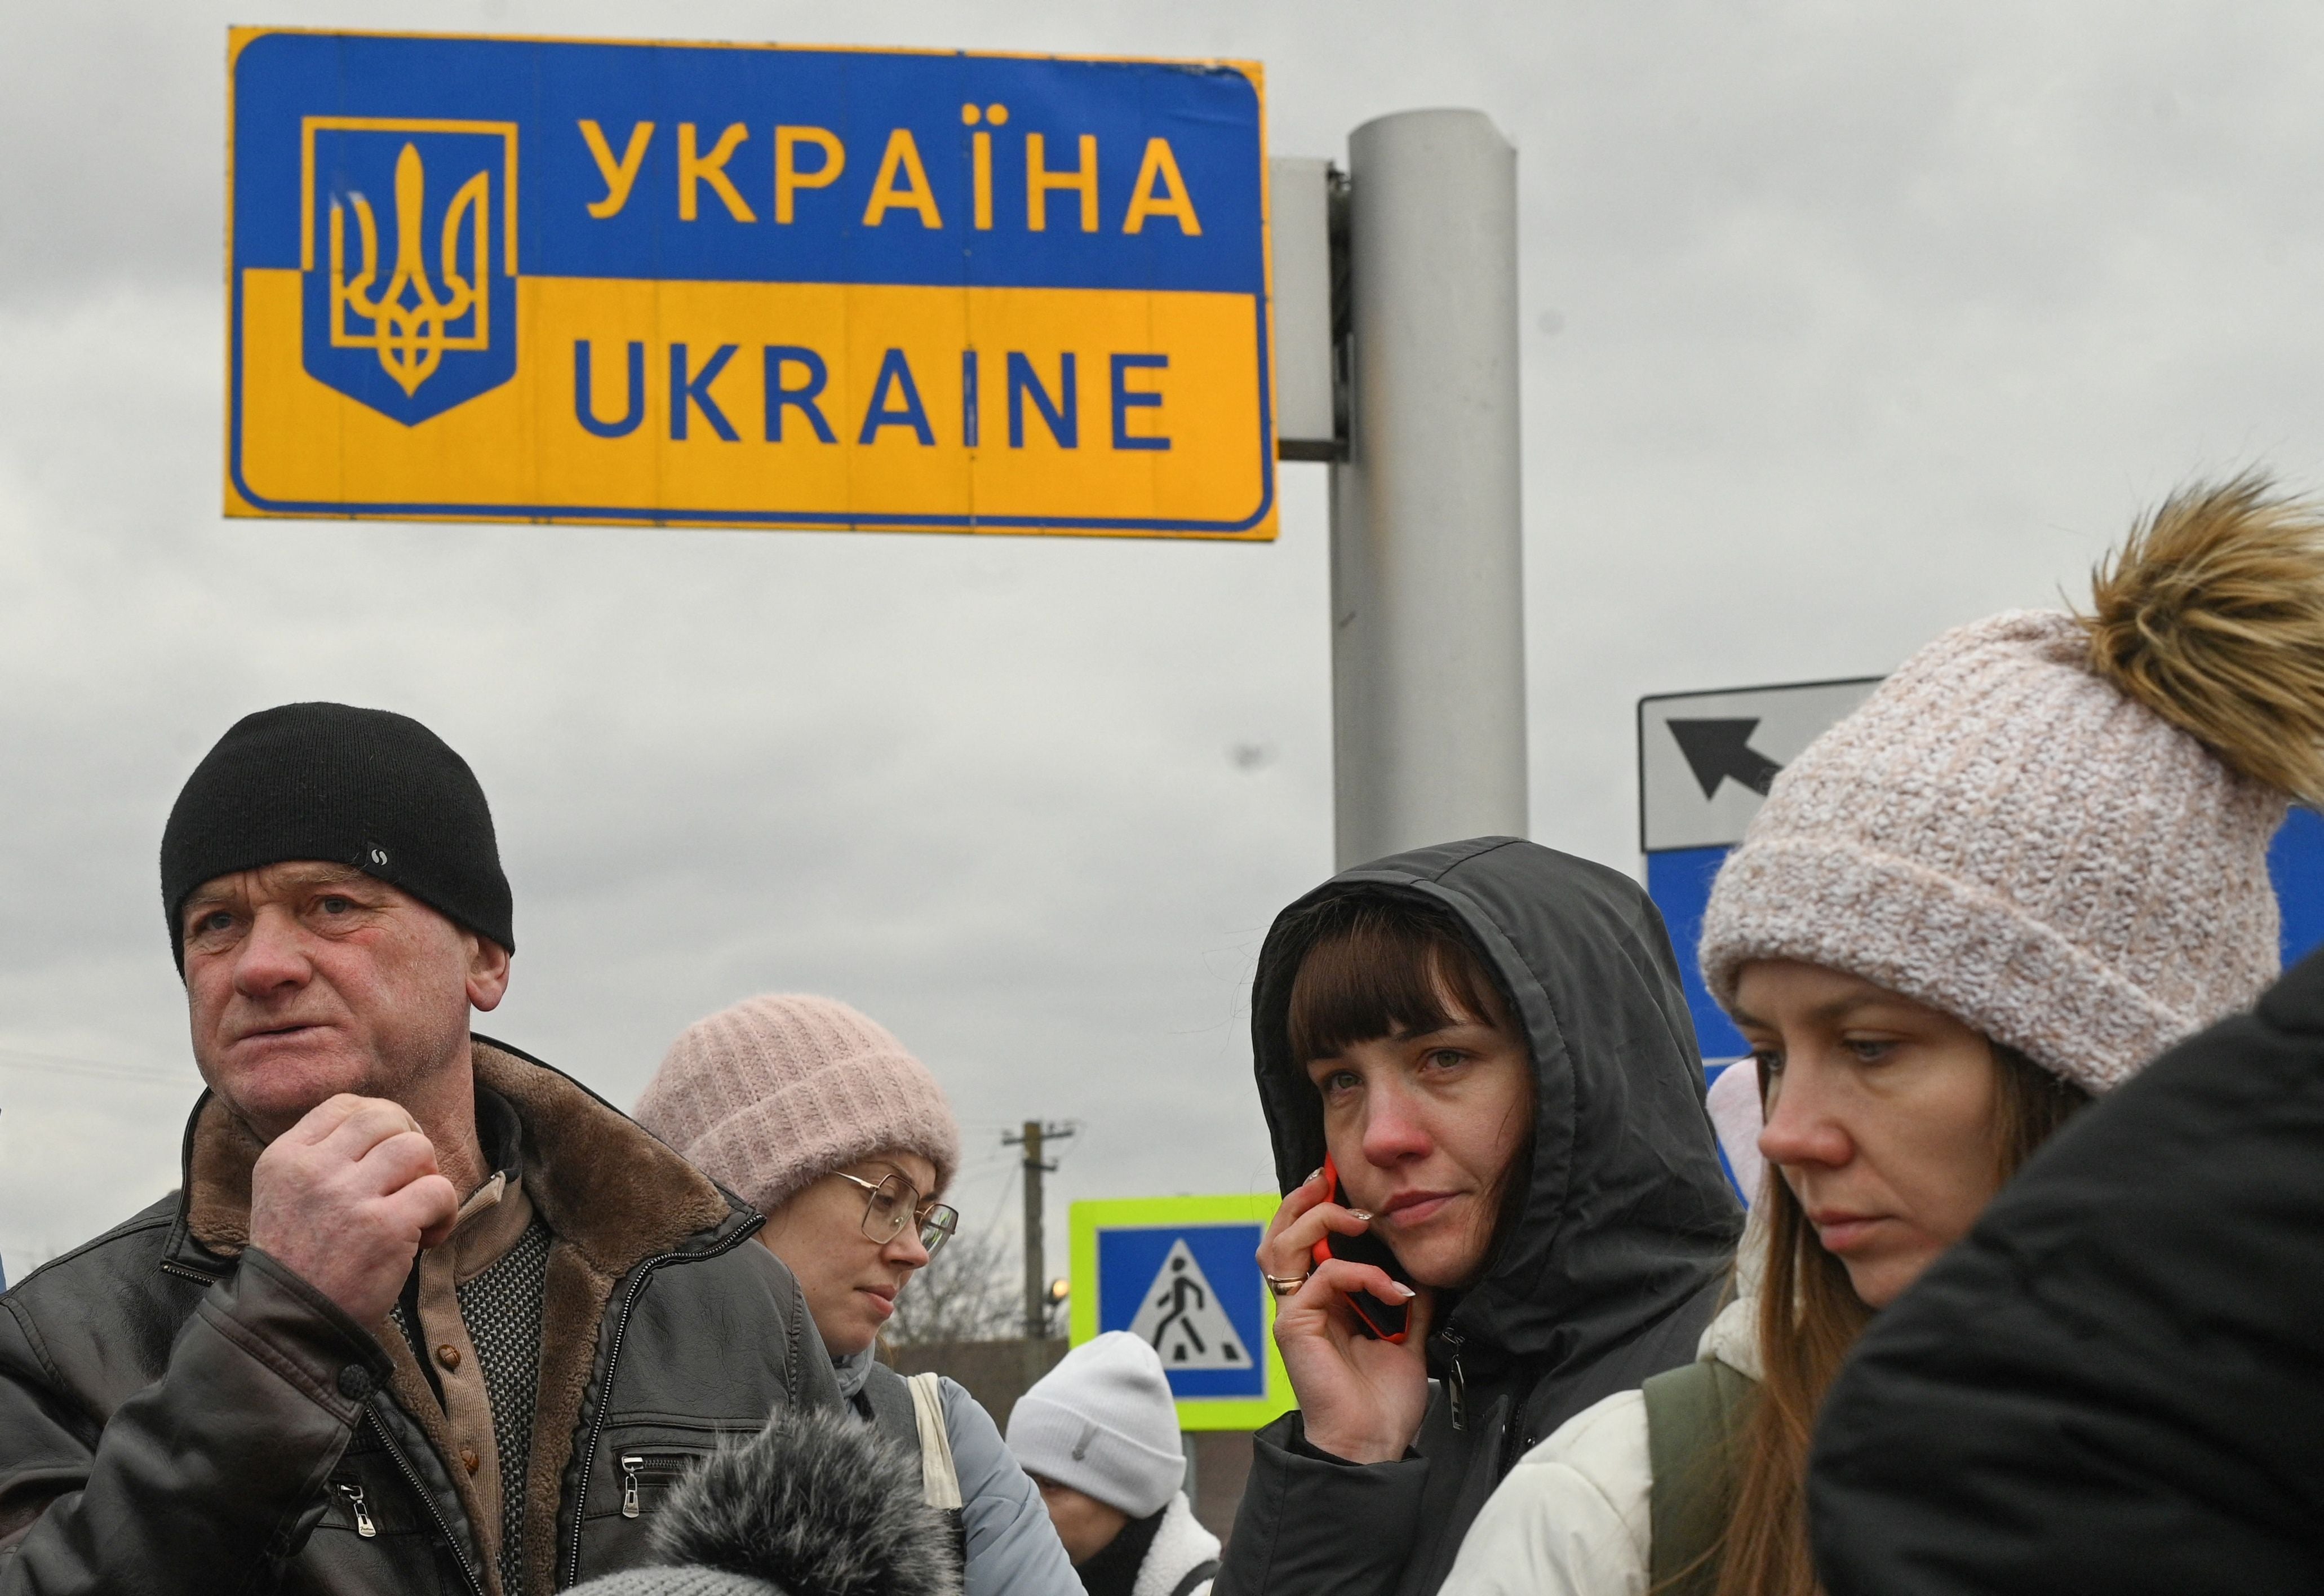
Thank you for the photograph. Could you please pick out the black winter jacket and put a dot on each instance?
(180, 1413)
(1609, 1270)
(2115, 1382)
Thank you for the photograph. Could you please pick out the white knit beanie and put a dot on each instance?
(2004, 835)
(1103, 1422)
(779, 1090)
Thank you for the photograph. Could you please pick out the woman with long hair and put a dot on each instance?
(1486, 1045)
(2029, 863)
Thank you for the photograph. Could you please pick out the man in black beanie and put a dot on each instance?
(424, 1315)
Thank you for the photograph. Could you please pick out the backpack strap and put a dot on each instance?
(1202, 1572)
(1694, 1414)
(939, 1480)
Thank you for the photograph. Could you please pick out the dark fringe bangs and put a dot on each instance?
(1384, 967)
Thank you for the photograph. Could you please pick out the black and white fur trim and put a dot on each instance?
(816, 1504)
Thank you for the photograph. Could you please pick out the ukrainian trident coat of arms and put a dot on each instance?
(409, 260)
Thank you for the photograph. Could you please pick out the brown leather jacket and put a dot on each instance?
(178, 1413)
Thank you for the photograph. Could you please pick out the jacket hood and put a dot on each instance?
(814, 1505)
(1627, 1215)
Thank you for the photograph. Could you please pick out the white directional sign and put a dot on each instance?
(1706, 763)
(1706, 760)
(1180, 1317)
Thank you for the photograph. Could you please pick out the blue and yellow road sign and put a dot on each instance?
(1183, 1273)
(509, 279)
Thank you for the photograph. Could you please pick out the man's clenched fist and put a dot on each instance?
(346, 1197)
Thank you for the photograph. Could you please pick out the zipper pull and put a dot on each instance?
(1457, 1386)
(632, 1464)
(360, 1507)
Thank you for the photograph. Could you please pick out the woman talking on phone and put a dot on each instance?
(1487, 1042)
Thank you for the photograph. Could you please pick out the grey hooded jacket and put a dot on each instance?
(1012, 1547)
(1605, 1274)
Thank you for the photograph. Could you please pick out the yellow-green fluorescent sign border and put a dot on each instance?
(1255, 1208)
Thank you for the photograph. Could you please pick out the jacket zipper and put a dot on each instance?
(420, 1490)
(1456, 1386)
(606, 1381)
(357, 1504)
(639, 1468)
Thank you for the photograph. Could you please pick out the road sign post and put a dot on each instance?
(530, 279)
(1427, 589)
(1182, 1273)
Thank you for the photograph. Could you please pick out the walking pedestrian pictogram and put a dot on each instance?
(1182, 1275)
(1181, 1318)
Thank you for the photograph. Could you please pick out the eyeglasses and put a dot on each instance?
(894, 1202)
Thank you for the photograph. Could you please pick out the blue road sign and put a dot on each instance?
(1207, 1320)
(1182, 1275)
(706, 285)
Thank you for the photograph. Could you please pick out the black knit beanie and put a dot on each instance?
(359, 787)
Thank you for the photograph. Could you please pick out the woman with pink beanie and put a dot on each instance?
(818, 1117)
(2033, 861)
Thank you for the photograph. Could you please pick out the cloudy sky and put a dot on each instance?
(1842, 323)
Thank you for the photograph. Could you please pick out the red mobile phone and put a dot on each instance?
(1382, 1320)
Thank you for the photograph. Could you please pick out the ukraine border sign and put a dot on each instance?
(1183, 1274)
(529, 280)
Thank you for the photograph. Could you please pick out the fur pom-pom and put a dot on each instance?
(2212, 616)
(815, 1505)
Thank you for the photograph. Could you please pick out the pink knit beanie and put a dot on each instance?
(2056, 829)
(780, 1091)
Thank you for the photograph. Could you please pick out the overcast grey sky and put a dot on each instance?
(1843, 323)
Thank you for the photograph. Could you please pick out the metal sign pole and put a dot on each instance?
(1427, 595)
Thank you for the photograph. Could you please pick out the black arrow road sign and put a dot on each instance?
(1720, 750)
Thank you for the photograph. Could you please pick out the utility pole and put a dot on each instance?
(1037, 1284)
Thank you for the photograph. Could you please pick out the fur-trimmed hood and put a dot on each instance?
(814, 1505)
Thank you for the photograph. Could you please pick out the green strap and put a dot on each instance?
(1693, 1417)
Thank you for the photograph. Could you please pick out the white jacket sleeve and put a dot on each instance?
(1573, 1518)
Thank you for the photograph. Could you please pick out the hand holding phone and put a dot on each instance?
(1356, 1362)
(1382, 1320)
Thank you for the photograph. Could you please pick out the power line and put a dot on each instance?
(60, 1064)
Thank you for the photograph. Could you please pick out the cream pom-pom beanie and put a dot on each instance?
(779, 1090)
(2054, 828)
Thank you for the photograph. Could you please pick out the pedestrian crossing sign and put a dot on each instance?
(1182, 1274)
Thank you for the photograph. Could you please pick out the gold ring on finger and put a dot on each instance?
(1284, 1285)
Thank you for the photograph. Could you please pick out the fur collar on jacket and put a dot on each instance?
(1179, 1545)
(598, 1179)
(611, 1195)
